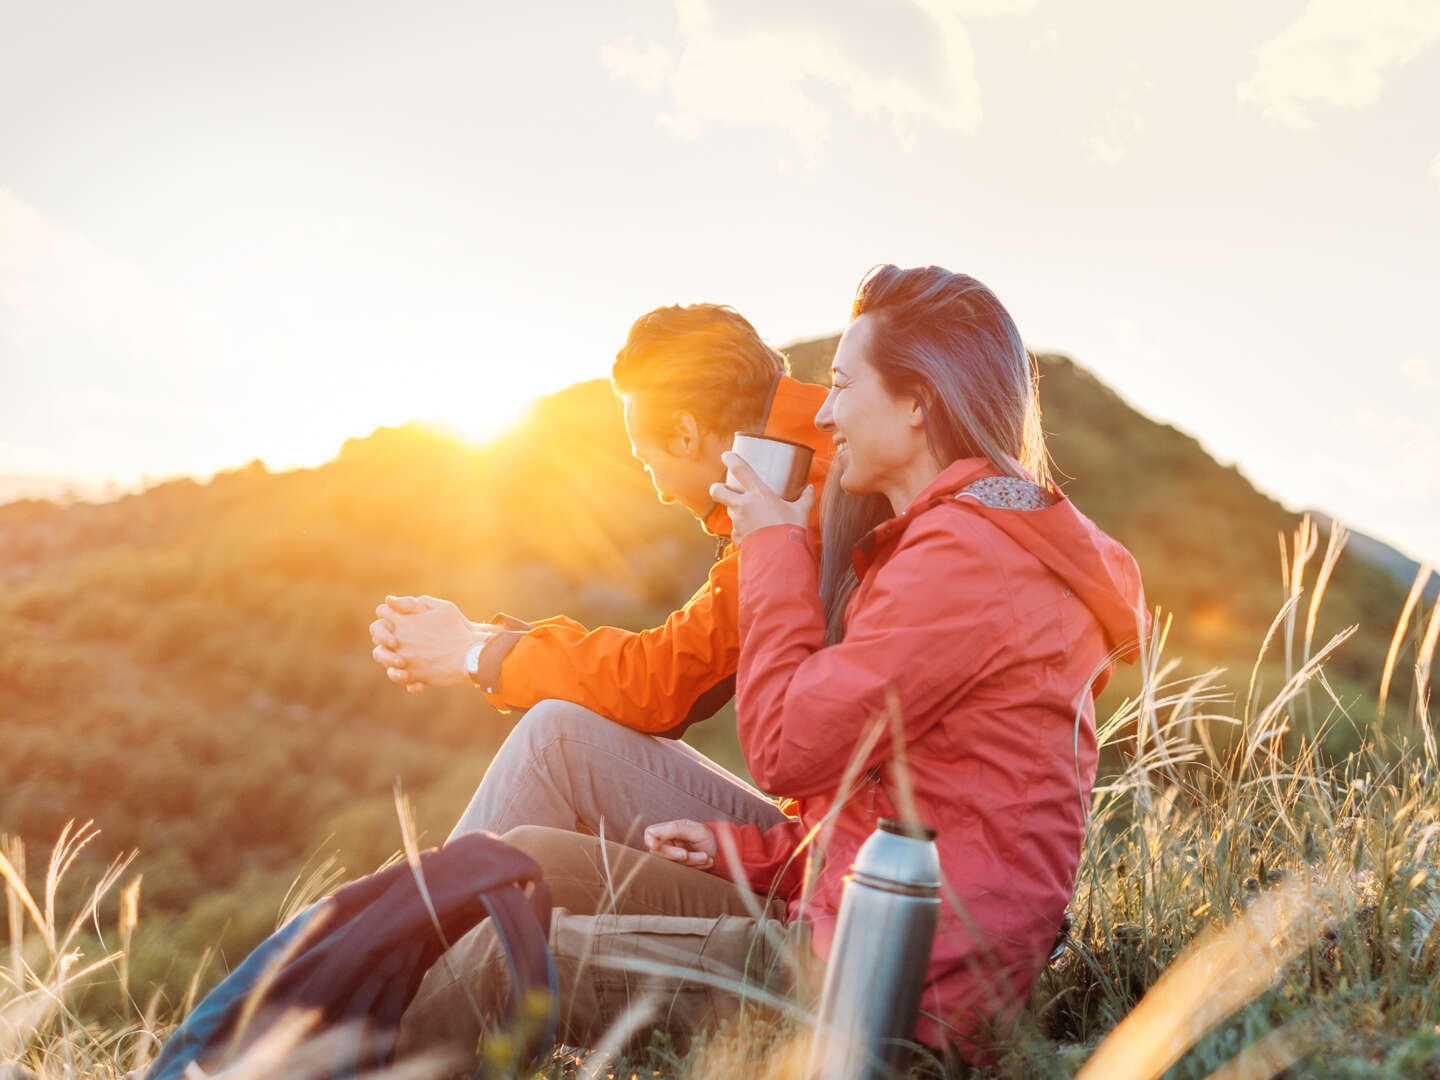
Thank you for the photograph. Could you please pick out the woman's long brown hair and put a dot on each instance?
(946, 339)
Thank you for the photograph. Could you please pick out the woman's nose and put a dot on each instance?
(825, 419)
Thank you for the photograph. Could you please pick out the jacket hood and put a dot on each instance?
(1093, 564)
(791, 416)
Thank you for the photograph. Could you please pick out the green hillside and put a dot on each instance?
(190, 666)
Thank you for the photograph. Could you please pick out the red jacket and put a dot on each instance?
(981, 629)
(663, 679)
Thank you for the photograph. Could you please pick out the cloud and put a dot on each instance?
(1418, 373)
(768, 66)
(55, 276)
(1337, 53)
(647, 66)
(60, 293)
(1047, 42)
(99, 362)
(1122, 122)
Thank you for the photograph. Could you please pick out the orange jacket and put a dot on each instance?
(984, 633)
(663, 679)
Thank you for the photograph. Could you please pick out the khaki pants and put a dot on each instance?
(639, 942)
(567, 767)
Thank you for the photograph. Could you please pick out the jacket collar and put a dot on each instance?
(945, 485)
(1093, 566)
(791, 415)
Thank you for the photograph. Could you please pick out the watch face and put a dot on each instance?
(472, 659)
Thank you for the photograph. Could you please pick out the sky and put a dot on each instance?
(255, 230)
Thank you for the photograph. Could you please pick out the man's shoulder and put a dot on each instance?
(792, 413)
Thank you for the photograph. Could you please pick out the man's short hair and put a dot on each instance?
(705, 359)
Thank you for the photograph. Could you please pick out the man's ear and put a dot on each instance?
(685, 437)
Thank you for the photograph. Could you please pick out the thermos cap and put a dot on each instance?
(912, 829)
(899, 855)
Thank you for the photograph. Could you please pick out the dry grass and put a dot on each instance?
(1245, 906)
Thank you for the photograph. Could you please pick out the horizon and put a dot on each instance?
(67, 491)
(250, 234)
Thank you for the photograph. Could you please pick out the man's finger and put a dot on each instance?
(387, 658)
(382, 632)
(415, 688)
(405, 605)
(398, 675)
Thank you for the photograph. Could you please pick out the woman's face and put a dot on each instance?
(879, 437)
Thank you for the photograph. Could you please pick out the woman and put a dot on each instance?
(939, 664)
(962, 602)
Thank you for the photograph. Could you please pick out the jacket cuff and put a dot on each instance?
(492, 656)
(779, 537)
(510, 622)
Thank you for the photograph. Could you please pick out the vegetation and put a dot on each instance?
(189, 668)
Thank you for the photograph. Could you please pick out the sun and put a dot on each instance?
(487, 421)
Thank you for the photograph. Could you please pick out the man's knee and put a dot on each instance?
(551, 719)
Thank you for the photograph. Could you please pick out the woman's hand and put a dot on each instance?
(689, 842)
(755, 505)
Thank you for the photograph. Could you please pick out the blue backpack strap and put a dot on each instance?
(527, 954)
(215, 1013)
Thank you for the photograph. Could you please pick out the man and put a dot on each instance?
(584, 754)
(597, 748)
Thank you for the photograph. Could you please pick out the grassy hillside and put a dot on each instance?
(190, 667)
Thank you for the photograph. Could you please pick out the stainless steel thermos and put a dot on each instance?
(871, 998)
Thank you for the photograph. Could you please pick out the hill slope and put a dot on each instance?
(190, 666)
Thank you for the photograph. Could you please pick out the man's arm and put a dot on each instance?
(659, 680)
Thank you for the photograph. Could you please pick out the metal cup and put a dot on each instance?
(783, 465)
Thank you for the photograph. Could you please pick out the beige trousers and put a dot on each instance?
(639, 943)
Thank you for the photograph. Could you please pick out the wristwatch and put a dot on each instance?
(472, 661)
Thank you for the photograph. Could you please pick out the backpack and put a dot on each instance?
(358, 957)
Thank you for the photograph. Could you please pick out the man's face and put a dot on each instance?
(683, 465)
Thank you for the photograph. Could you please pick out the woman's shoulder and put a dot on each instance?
(947, 524)
(960, 540)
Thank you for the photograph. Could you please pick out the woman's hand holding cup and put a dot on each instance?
(755, 504)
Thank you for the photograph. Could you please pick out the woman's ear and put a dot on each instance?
(921, 398)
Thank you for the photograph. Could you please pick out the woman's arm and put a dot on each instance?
(745, 854)
(766, 862)
(934, 619)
